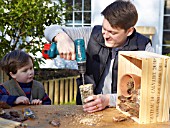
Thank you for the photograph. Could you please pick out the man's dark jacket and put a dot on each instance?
(98, 55)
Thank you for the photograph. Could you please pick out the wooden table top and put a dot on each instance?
(72, 116)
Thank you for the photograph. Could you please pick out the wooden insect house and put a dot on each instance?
(144, 86)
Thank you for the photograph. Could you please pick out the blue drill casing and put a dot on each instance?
(80, 51)
(53, 52)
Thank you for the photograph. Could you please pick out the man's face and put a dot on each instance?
(114, 37)
(24, 74)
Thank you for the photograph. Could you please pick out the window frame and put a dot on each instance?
(74, 22)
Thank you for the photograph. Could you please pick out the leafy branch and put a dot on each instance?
(23, 19)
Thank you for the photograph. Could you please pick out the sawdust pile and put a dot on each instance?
(85, 118)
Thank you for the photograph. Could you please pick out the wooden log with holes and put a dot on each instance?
(152, 97)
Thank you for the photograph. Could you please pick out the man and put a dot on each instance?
(117, 33)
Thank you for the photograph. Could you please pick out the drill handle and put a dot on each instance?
(79, 49)
(53, 52)
(50, 51)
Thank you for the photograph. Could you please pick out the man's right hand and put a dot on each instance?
(65, 46)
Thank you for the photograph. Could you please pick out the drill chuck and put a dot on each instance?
(82, 67)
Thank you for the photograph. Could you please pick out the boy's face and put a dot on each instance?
(114, 37)
(24, 74)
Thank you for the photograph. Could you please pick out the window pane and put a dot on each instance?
(166, 39)
(167, 7)
(78, 25)
(87, 5)
(166, 22)
(78, 17)
(69, 25)
(87, 25)
(87, 17)
(166, 50)
(78, 5)
(69, 2)
(69, 18)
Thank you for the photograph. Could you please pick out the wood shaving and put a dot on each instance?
(55, 123)
(119, 118)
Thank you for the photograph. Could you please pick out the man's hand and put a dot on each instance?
(96, 103)
(65, 46)
(36, 102)
(22, 99)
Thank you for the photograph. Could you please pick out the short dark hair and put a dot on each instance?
(14, 60)
(121, 13)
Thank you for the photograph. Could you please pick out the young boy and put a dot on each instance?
(21, 88)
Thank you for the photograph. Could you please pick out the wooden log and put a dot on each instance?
(75, 89)
(56, 92)
(62, 91)
(66, 84)
(51, 91)
(71, 84)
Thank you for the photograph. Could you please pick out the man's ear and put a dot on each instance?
(130, 31)
(12, 75)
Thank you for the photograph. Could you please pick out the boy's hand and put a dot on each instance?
(36, 102)
(22, 99)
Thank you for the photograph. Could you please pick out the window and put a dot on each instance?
(81, 14)
(166, 29)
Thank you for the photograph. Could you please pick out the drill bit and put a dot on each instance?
(83, 78)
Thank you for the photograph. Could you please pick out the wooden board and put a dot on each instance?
(4, 123)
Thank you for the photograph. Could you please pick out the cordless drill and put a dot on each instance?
(50, 51)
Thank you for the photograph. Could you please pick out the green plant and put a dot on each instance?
(22, 24)
(168, 54)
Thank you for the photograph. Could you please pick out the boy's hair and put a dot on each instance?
(121, 13)
(14, 60)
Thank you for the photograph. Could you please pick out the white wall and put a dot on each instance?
(150, 14)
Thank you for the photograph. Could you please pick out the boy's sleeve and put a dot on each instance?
(46, 100)
(5, 97)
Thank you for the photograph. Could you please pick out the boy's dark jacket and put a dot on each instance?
(98, 56)
(14, 89)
